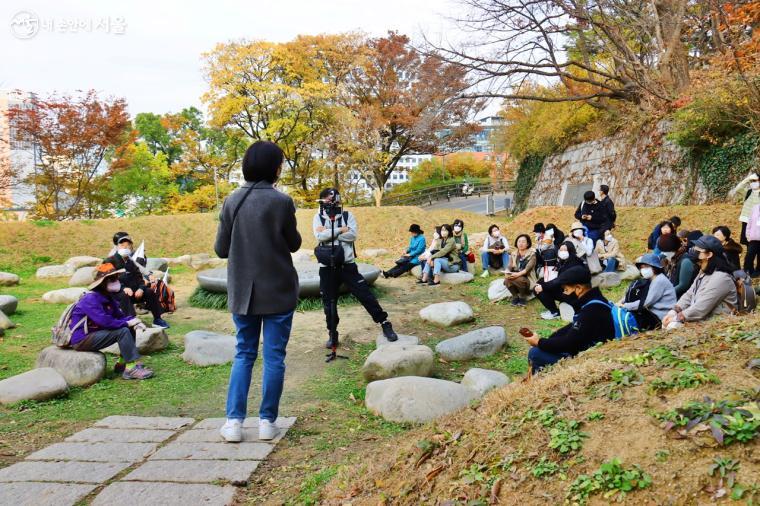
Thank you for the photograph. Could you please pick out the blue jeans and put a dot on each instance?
(484, 260)
(539, 358)
(463, 261)
(440, 264)
(594, 234)
(276, 334)
(611, 265)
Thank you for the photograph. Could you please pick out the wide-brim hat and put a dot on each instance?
(415, 229)
(649, 259)
(577, 225)
(104, 271)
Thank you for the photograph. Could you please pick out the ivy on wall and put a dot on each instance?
(527, 175)
(721, 167)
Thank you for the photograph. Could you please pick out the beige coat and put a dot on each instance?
(530, 266)
(611, 250)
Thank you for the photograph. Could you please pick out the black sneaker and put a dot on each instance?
(160, 322)
(329, 343)
(388, 331)
(515, 301)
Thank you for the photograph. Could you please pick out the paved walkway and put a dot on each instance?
(129, 459)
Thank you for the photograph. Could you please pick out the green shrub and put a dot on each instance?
(722, 166)
(527, 175)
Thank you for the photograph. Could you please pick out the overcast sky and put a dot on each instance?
(149, 51)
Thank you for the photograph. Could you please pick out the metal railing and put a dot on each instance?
(433, 194)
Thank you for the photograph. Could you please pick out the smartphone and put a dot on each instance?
(526, 332)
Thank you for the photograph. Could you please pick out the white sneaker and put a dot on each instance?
(232, 431)
(267, 430)
(548, 315)
(485, 274)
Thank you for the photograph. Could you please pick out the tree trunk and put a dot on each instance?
(378, 194)
(674, 62)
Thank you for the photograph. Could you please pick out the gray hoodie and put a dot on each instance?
(709, 295)
(346, 240)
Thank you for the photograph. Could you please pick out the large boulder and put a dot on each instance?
(9, 279)
(8, 304)
(606, 280)
(35, 385)
(208, 348)
(157, 264)
(476, 344)
(415, 399)
(5, 322)
(566, 312)
(150, 340)
(302, 255)
(630, 273)
(79, 368)
(447, 314)
(381, 340)
(483, 380)
(374, 253)
(215, 280)
(456, 278)
(83, 261)
(83, 276)
(398, 360)
(56, 271)
(416, 271)
(180, 260)
(497, 291)
(63, 296)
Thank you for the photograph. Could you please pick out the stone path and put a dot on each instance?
(126, 459)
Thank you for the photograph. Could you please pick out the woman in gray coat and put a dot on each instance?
(257, 232)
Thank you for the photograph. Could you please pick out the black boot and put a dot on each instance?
(333, 339)
(388, 331)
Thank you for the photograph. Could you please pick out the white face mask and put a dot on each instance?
(496, 234)
(578, 234)
(647, 272)
(549, 233)
(755, 185)
(608, 237)
(563, 255)
(457, 229)
(669, 254)
(436, 235)
(124, 252)
(113, 286)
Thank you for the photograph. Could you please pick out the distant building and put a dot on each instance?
(482, 142)
(20, 155)
(400, 175)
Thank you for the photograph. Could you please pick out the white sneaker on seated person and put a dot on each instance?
(548, 315)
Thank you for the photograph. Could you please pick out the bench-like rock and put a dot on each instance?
(606, 280)
(79, 368)
(456, 278)
(447, 314)
(204, 261)
(302, 256)
(180, 260)
(8, 304)
(83, 276)
(35, 385)
(83, 261)
(476, 344)
(374, 252)
(566, 312)
(56, 271)
(497, 291)
(9, 279)
(63, 296)
(208, 348)
(483, 380)
(415, 399)
(5, 322)
(215, 280)
(157, 264)
(381, 340)
(630, 273)
(398, 360)
(150, 340)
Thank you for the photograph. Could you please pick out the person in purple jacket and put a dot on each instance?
(98, 322)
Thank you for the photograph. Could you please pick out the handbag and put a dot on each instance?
(471, 257)
(329, 255)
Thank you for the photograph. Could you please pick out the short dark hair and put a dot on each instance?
(448, 228)
(530, 243)
(604, 189)
(675, 220)
(126, 238)
(539, 228)
(117, 237)
(490, 229)
(589, 195)
(458, 222)
(261, 161)
(723, 230)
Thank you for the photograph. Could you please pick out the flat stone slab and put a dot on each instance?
(456, 278)
(37, 384)
(250, 434)
(56, 271)
(144, 422)
(381, 340)
(236, 472)
(475, 344)
(213, 451)
(98, 435)
(95, 452)
(215, 280)
(165, 494)
(72, 472)
(43, 494)
(283, 422)
(447, 314)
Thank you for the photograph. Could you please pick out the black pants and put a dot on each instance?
(752, 258)
(399, 269)
(549, 298)
(348, 275)
(149, 300)
(646, 320)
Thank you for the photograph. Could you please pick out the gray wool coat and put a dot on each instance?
(261, 279)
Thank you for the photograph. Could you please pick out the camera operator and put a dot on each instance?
(345, 233)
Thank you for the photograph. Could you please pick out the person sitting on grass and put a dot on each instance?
(609, 253)
(495, 251)
(732, 249)
(591, 325)
(462, 243)
(98, 322)
(682, 269)
(713, 291)
(521, 275)
(410, 258)
(649, 299)
(670, 227)
(549, 292)
(446, 259)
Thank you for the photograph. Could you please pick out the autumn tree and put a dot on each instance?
(71, 135)
(144, 184)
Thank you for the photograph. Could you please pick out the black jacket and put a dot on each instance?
(733, 251)
(609, 206)
(598, 212)
(593, 324)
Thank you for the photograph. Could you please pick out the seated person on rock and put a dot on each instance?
(591, 325)
(434, 246)
(584, 246)
(136, 286)
(410, 258)
(495, 251)
(462, 243)
(609, 253)
(712, 293)
(98, 322)
(521, 276)
(549, 291)
(649, 299)
(446, 259)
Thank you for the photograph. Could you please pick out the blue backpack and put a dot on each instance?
(622, 319)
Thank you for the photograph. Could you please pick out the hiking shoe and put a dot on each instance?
(548, 315)
(328, 344)
(515, 301)
(485, 274)
(160, 322)
(521, 303)
(232, 431)
(388, 331)
(138, 372)
(119, 367)
(267, 430)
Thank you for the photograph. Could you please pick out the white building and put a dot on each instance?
(18, 154)
(400, 175)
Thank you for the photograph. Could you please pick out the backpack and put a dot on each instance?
(637, 291)
(165, 295)
(62, 331)
(622, 319)
(745, 293)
